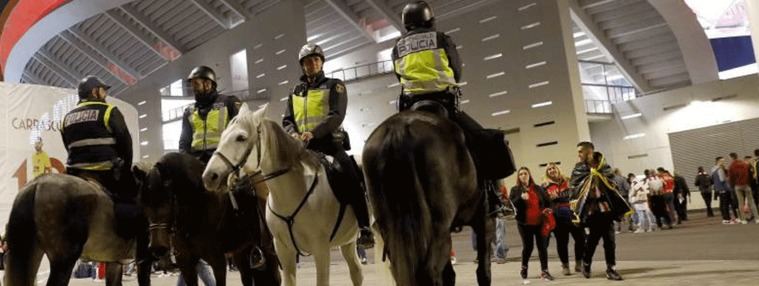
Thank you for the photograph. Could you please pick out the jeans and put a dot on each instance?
(707, 196)
(501, 248)
(744, 193)
(530, 238)
(725, 202)
(600, 228)
(645, 217)
(562, 232)
(204, 271)
(669, 198)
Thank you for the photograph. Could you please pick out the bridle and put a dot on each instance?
(236, 168)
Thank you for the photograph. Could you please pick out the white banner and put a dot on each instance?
(32, 113)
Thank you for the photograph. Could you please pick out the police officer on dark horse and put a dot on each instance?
(428, 67)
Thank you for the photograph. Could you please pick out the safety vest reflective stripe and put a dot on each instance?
(207, 136)
(108, 110)
(311, 110)
(92, 142)
(425, 72)
(96, 166)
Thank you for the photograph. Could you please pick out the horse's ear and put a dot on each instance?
(261, 112)
(244, 108)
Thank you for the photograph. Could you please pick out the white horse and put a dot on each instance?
(302, 211)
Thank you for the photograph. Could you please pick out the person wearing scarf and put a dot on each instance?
(530, 203)
(596, 204)
(557, 188)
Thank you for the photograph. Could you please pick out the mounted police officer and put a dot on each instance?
(203, 123)
(428, 67)
(315, 112)
(100, 148)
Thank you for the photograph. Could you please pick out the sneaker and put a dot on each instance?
(453, 260)
(523, 272)
(724, 221)
(744, 222)
(364, 261)
(565, 270)
(545, 276)
(756, 221)
(617, 232)
(586, 270)
(365, 238)
(640, 230)
(612, 274)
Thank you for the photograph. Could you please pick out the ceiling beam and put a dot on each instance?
(103, 63)
(213, 13)
(236, 7)
(113, 59)
(57, 62)
(145, 39)
(56, 69)
(607, 47)
(33, 78)
(341, 7)
(152, 28)
(387, 13)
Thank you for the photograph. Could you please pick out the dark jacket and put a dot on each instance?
(338, 104)
(520, 205)
(90, 122)
(703, 182)
(185, 139)
(583, 183)
(681, 186)
(444, 42)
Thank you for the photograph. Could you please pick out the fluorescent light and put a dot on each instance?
(542, 104)
(535, 65)
(143, 116)
(144, 129)
(280, 52)
(502, 112)
(495, 94)
(578, 34)
(492, 57)
(633, 136)
(631, 116)
(533, 45)
(495, 75)
(142, 102)
(538, 84)
(583, 42)
(465, 101)
(144, 143)
(145, 156)
(261, 75)
(279, 68)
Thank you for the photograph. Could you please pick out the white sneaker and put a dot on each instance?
(525, 282)
(640, 230)
(453, 260)
(744, 222)
(757, 221)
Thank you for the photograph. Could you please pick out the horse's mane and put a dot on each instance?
(184, 168)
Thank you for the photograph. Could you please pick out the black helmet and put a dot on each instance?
(202, 72)
(417, 15)
(87, 84)
(309, 50)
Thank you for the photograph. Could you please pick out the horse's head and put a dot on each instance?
(157, 201)
(239, 148)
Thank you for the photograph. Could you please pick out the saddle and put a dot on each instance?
(336, 177)
(129, 218)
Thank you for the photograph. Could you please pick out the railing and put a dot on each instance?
(604, 96)
(363, 71)
(596, 106)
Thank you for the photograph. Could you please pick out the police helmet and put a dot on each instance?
(203, 72)
(87, 84)
(417, 15)
(310, 50)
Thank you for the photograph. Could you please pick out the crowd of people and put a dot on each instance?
(656, 200)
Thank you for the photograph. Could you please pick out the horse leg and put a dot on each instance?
(242, 261)
(287, 257)
(449, 275)
(21, 264)
(218, 264)
(438, 256)
(61, 267)
(270, 275)
(188, 269)
(354, 265)
(113, 273)
(322, 260)
(484, 227)
(144, 258)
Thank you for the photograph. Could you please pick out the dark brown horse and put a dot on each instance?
(422, 184)
(203, 225)
(65, 218)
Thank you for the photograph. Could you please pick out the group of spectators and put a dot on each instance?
(735, 187)
(659, 198)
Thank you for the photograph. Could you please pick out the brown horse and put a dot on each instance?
(203, 225)
(422, 184)
(65, 218)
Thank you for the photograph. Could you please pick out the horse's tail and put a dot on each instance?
(398, 197)
(22, 258)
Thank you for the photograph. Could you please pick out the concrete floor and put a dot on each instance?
(700, 252)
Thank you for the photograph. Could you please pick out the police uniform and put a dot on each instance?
(99, 146)
(203, 123)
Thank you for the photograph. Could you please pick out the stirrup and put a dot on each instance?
(257, 259)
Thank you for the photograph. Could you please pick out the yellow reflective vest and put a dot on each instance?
(206, 133)
(422, 63)
(310, 110)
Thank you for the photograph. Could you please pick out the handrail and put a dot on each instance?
(363, 71)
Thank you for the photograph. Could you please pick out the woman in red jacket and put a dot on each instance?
(531, 201)
(557, 188)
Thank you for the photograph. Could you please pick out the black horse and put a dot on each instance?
(65, 218)
(203, 225)
(422, 184)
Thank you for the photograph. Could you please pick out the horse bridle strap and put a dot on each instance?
(290, 220)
